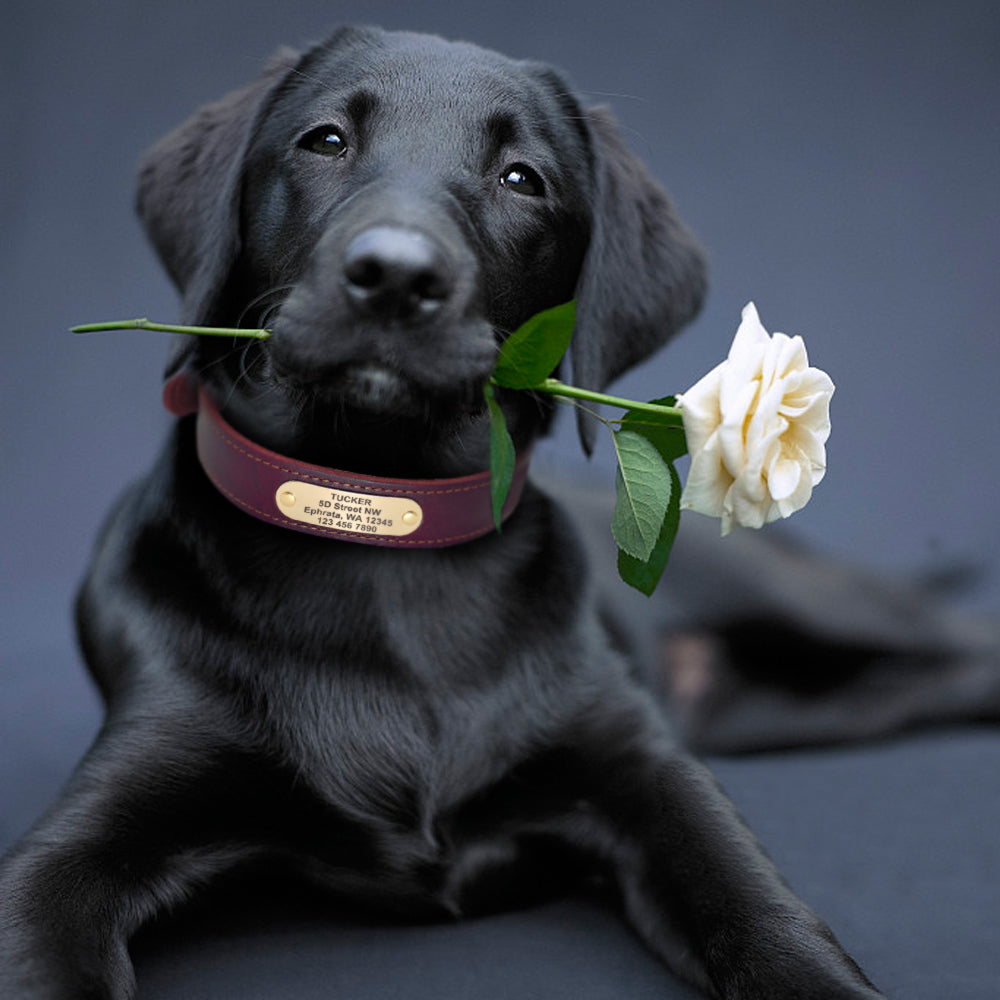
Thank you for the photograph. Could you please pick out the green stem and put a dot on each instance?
(145, 324)
(553, 387)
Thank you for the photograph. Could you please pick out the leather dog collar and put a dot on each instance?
(372, 510)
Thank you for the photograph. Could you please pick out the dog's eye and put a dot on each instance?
(325, 140)
(522, 180)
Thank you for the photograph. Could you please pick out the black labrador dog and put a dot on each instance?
(442, 729)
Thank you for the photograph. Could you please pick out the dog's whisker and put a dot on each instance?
(617, 96)
(244, 367)
(281, 290)
(245, 376)
(265, 317)
(238, 344)
(312, 78)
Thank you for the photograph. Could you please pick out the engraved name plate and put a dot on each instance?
(338, 510)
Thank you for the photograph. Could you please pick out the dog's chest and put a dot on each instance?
(404, 705)
(412, 688)
(419, 789)
(395, 752)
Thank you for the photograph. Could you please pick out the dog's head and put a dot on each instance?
(392, 205)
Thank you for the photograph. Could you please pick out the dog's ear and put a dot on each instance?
(643, 276)
(189, 191)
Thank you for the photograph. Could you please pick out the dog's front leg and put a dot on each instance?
(142, 821)
(703, 894)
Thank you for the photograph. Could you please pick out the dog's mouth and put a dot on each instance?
(362, 414)
(384, 372)
(377, 388)
(371, 386)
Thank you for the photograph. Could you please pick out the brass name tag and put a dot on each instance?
(362, 513)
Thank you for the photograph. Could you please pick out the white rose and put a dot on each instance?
(756, 428)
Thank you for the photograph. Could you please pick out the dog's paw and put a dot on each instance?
(800, 960)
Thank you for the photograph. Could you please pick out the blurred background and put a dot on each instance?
(838, 160)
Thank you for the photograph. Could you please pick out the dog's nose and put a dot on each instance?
(396, 274)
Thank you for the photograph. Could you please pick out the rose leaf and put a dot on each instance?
(532, 352)
(644, 575)
(502, 455)
(643, 486)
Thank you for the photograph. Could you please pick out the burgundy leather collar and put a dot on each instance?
(420, 513)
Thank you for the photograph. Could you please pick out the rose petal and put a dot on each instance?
(706, 485)
(783, 478)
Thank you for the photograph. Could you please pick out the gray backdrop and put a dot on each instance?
(839, 161)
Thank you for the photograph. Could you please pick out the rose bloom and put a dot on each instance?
(756, 429)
